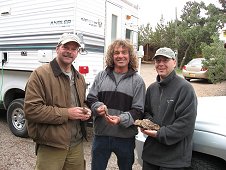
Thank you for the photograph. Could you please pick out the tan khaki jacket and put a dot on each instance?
(47, 98)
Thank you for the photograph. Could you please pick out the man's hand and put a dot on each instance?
(152, 133)
(101, 110)
(79, 113)
(114, 120)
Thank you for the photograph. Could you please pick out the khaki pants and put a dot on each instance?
(51, 158)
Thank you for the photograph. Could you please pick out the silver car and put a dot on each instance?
(209, 139)
(195, 70)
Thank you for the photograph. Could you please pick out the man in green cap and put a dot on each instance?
(171, 103)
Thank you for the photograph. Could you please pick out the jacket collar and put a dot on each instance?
(128, 74)
(168, 79)
(57, 70)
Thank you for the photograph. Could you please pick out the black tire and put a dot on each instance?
(187, 79)
(16, 118)
(206, 162)
(209, 81)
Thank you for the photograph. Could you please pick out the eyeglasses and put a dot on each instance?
(64, 47)
(164, 60)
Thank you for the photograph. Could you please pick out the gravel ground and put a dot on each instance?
(202, 87)
(18, 153)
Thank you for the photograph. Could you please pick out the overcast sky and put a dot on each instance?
(151, 10)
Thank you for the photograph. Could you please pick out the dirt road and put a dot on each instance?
(202, 87)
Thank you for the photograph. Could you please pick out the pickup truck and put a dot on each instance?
(209, 138)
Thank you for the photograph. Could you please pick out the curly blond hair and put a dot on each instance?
(133, 60)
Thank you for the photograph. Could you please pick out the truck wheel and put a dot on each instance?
(16, 118)
(206, 162)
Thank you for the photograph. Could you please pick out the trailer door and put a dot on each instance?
(113, 23)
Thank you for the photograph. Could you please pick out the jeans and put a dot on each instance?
(103, 146)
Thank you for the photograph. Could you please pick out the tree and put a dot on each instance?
(215, 56)
(145, 34)
(196, 25)
(223, 3)
(192, 30)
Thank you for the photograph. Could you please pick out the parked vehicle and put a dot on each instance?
(195, 70)
(29, 31)
(209, 139)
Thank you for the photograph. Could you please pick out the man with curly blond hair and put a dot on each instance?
(116, 99)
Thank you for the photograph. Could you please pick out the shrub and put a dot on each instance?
(215, 55)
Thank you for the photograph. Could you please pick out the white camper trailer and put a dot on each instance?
(29, 31)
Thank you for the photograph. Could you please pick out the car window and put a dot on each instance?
(195, 62)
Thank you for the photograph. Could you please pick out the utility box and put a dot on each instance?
(45, 56)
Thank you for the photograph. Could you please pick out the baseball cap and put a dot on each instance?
(65, 38)
(166, 52)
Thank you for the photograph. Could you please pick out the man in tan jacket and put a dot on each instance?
(55, 109)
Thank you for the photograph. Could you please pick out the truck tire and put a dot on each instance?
(206, 162)
(16, 118)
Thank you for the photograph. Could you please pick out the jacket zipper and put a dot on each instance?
(159, 107)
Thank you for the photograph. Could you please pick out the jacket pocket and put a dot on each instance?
(40, 131)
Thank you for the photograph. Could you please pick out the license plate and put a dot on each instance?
(192, 75)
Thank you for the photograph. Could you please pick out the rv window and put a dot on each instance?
(113, 27)
(129, 34)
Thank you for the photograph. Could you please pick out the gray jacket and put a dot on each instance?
(124, 99)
